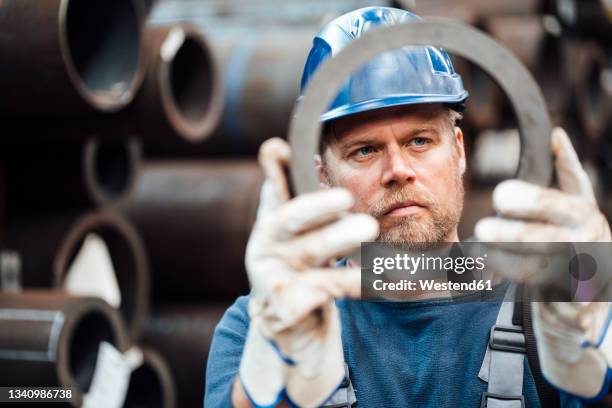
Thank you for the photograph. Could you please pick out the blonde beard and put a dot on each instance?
(435, 227)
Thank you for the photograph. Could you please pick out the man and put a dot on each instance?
(391, 168)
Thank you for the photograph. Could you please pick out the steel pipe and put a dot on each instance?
(182, 335)
(45, 177)
(179, 103)
(483, 106)
(590, 18)
(481, 8)
(262, 77)
(151, 384)
(538, 43)
(48, 244)
(195, 219)
(262, 82)
(593, 89)
(263, 13)
(82, 56)
(128, 257)
(3, 210)
(52, 339)
(182, 96)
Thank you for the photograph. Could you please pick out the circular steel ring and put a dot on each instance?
(535, 127)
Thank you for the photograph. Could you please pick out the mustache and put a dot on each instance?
(396, 197)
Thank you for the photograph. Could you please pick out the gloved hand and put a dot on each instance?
(293, 344)
(573, 338)
(535, 214)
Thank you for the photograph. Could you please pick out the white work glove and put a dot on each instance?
(294, 344)
(573, 338)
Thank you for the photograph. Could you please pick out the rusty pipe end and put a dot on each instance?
(128, 258)
(188, 76)
(151, 384)
(101, 43)
(111, 169)
(67, 329)
(94, 322)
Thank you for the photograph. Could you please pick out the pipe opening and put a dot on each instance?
(146, 388)
(84, 343)
(481, 93)
(191, 80)
(550, 76)
(124, 263)
(104, 44)
(113, 168)
(593, 89)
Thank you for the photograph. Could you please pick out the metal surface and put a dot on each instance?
(195, 219)
(52, 339)
(593, 99)
(447, 9)
(81, 56)
(261, 74)
(182, 334)
(537, 41)
(592, 18)
(525, 96)
(484, 105)
(69, 175)
(151, 384)
(256, 12)
(111, 170)
(482, 8)
(182, 94)
(47, 245)
(127, 255)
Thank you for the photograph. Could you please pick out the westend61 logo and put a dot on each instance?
(557, 271)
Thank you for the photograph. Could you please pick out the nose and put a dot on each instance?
(397, 169)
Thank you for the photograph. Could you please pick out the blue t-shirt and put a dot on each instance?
(420, 353)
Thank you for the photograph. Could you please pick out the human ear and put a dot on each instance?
(460, 149)
(323, 181)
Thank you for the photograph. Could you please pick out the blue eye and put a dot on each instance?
(420, 141)
(366, 150)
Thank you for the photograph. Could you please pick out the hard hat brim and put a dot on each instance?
(389, 101)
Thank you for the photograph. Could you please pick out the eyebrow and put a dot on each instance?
(368, 140)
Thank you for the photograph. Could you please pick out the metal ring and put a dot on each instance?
(535, 127)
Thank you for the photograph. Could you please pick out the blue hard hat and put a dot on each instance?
(407, 75)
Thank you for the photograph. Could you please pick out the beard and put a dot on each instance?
(432, 225)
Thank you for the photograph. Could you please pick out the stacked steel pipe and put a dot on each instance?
(52, 339)
(92, 100)
(79, 97)
(261, 48)
(182, 333)
(83, 56)
(205, 210)
(151, 383)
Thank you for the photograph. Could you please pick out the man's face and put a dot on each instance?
(404, 166)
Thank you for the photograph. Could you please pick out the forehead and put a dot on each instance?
(400, 117)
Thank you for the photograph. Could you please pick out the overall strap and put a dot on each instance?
(503, 365)
(344, 396)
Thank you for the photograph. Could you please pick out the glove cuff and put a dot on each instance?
(586, 374)
(263, 371)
